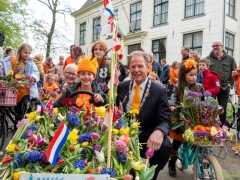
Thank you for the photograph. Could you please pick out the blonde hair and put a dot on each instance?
(20, 48)
(196, 56)
(48, 76)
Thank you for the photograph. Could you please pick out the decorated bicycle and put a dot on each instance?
(202, 130)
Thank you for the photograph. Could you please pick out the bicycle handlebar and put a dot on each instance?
(83, 92)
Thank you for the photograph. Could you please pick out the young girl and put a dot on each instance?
(23, 64)
(87, 73)
(103, 74)
(187, 76)
(50, 85)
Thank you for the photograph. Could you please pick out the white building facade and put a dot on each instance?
(164, 26)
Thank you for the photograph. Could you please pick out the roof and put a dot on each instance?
(87, 3)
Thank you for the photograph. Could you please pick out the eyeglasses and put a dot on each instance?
(71, 74)
(216, 45)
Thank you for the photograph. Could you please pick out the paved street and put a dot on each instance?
(230, 166)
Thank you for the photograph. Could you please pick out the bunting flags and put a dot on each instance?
(107, 29)
(108, 9)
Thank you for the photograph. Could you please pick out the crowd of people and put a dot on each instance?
(145, 84)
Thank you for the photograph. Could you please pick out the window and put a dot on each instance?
(134, 47)
(230, 4)
(194, 7)
(159, 49)
(135, 16)
(82, 33)
(229, 43)
(160, 12)
(96, 32)
(193, 41)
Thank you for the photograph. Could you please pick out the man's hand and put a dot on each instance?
(155, 140)
(234, 73)
(98, 98)
(172, 109)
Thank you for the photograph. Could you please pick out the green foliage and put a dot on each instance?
(12, 21)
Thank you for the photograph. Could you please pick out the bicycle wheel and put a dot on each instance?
(210, 168)
(3, 132)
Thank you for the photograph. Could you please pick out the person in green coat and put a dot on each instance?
(86, 72)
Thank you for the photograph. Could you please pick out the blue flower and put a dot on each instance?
(17, 163)
(79, 164)
(84, 138)
(119, 124)
(122, 157)
(109, 171)
(32, 128)
(84, 153)
(24, 135)
(33, 156)
(73, 119)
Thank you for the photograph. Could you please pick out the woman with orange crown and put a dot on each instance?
(187, 76)
(86, 70)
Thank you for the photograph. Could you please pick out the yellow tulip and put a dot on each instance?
(213, 131)
(124, 130)
(135, 125)
(16, 175)
(133, 131)
(38, 118)
(10, 72)
(84, 144)
(60, 117)
(11, 147)
(101, 111)
(73, 136)
(115, 131)
(17, 76)
(55, 110)
(138, 165)
(31, 116)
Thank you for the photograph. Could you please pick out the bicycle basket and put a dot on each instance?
(8, 96)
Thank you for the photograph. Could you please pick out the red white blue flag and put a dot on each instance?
(57, 143)
(108, 9)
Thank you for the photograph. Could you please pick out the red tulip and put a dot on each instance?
(60, 161)
(90, 171)
(71, 148)
(7, 159)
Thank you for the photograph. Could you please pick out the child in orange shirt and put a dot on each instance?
(50, 85)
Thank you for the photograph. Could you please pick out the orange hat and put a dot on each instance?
(87, 65)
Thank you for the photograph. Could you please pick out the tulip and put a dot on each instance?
(127, 177)
(125, 138)
(87, 122)
(97, 147)
(16, 148)
(94, 136)
(60, 161)
(101, 111)
(71, 148)
(38, 140)
(60, 117)
(115, 131)
(213, 131)
(99, 169)
(135, 125)
(119, 34)
(138, 165)
(149, 153)
(28, 133)
(90, 171)
(84, 144)
(100, 156)
(120, 56)
(7, 159)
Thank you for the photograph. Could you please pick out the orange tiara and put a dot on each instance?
(189, 63)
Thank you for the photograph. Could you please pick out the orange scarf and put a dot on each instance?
(83, 99)
(24, 91)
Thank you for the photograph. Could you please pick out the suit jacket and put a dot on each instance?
(155, 113)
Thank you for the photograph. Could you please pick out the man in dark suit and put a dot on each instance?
(154, 113)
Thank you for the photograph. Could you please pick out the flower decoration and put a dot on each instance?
(190, 63)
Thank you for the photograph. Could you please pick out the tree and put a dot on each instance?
(50, 34)
(12, 21)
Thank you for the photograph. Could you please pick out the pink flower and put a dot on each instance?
(20, 122)
(38, 140)
(149, 153)
(94, 136)
(121, 145)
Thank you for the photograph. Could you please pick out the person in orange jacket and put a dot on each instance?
(70, 59)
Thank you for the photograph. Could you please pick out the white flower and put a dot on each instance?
(137, 178)
(100, 156)
(60, 117)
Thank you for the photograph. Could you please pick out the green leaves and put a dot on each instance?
(149, 173)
